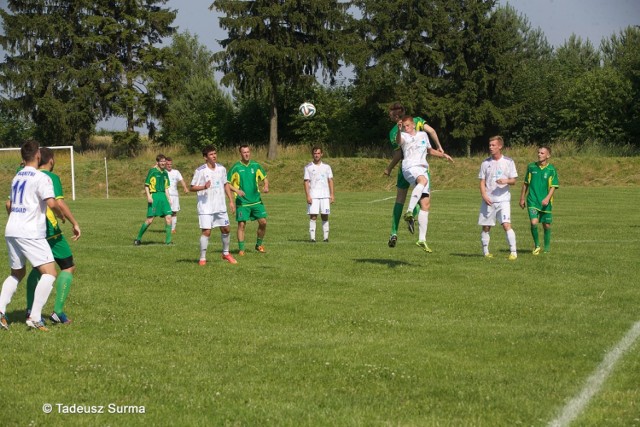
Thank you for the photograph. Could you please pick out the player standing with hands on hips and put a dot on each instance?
(318, 187)
(497, 173)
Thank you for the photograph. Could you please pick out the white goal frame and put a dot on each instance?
(73, 173)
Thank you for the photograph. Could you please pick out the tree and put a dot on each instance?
(49, 75)
(273, 46)
(74, 63)
(196, 111)
(128, 33)
(622, 52)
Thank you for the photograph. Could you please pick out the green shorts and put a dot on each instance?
(160, 206)
(543, 217)
(61, 251)
(250, 213)
(402, 183)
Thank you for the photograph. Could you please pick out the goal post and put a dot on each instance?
(60, 147)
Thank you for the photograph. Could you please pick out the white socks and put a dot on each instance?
(484, 239)
(225, 243)
(416, 194)
(204, 242)
(45, 285)
(511, 240)
(312, 229)
(8, 289)
(325, 230)
(423, 222)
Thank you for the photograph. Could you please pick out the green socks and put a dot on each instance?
(397, 214)
(167, 229)
(534, 234)
(547, 239)
(32, 282)
(142, 230)
(63, 285)
(259, 242)
(241, 245)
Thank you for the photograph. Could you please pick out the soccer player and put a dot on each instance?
(25, 234)
(415, 170)
(497, 173)
(318, 187)
(245, 175)
(396, 112)
(211, 184)
(175, 178)
(156, 187)
(59, 245)
(540, 183)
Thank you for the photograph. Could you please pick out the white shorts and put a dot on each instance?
(37, 251)
(207, 222)
(319, 206)
(411, 175)
(175, 203)
(499, 210)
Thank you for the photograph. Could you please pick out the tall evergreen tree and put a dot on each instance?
(49, 75)
(273, 45)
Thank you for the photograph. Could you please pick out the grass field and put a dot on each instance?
(349, 332)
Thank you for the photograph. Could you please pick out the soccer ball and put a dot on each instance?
(307, 109)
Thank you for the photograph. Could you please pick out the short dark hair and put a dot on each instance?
(316, 147)
(168, 159)
(29, 149)
(160, 157)
(546, 147)
(207, 149)
(46, 154)
(243, 146)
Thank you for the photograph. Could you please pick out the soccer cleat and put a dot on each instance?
(136, 242)
(312, 241)
(3, 322)
(39, 325)
(392, 241)
(240, 253)
(202, 262)
(536, 251)
(422, 244)
(27, 313)
(513, 256)
(260, 249)
(59, 318)
(411, 223)
(488, 255)
(173, 231)
(230, 258)
(326, 240)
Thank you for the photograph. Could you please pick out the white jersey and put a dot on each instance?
(30, 189)
(318, 177)
(174, 178)
(492, 170)
(212, 200)
(414, 149)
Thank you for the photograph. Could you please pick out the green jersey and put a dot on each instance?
(419, 121)
(53, 226)
(540, 180)
(246, 177)
(157, 180)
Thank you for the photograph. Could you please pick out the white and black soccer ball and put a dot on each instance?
(307, 109)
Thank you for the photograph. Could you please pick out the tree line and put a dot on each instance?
(471, 68)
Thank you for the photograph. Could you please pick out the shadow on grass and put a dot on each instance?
(388, 262)
(19, 316)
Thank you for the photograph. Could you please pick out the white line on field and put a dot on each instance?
(382, 200)
(572, 409)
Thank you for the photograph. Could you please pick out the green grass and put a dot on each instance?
(345, 333)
